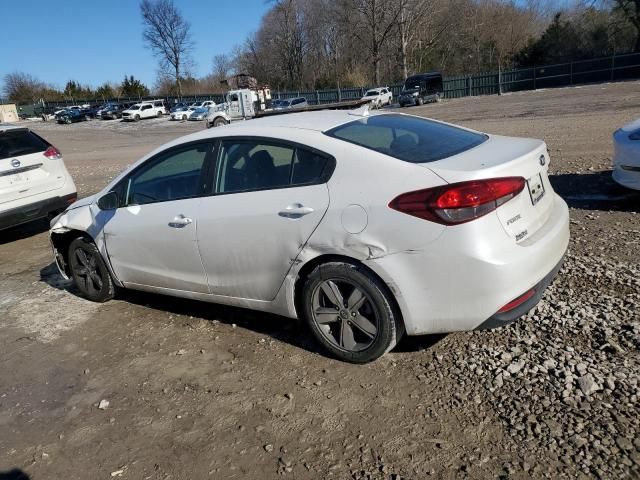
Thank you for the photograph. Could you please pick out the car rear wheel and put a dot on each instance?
(419, 101)
(159, 114)
(89, 271)
(350, 312)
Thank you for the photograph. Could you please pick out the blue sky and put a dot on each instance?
(93, 41)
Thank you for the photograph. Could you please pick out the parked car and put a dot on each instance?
(182, 113)
(199, 113)
(204, 103)
(34, 182)
(178, 106)
(147, 109)
(378, 97)
(73, 116)
(626, 156)
(113, 111)
(365, 226)
(284, 104)
(421, 88)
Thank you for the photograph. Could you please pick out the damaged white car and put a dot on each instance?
(364, 226)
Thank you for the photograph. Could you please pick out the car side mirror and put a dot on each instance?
(109, 201)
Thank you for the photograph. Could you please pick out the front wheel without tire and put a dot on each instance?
(89, 271)
(350, 312)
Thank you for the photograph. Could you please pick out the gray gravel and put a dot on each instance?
(564, 379)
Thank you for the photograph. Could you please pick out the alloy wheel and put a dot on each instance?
(345, 315)
(86, 270)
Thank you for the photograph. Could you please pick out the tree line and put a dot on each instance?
(316, 44)
(327, 43)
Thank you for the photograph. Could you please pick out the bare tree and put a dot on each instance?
(168, 35)
(377, 20)
(22, 88)
(631, 10)
(222, 66)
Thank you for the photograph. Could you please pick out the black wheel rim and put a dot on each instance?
(88, 274)
(345, 315)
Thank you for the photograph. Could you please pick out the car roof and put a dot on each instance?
(4, 127)
(317, 121)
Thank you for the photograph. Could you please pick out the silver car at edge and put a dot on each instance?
(365, 226)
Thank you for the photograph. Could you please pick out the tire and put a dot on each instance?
(89, 271)
(67, 121)
(184, 117)
(218, 122)
(419, 101)
(87, 118)
(363, 330)
(137, 118)
(159, 114)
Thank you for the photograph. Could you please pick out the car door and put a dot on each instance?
(146, 111)
(268, 199)
(151, 238)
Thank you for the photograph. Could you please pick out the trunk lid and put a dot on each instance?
(501, 156)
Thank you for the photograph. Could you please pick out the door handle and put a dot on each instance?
(180, 221)
(295, 210)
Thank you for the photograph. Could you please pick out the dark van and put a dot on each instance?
(421, 88)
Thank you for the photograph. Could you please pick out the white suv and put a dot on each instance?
(149, 109)
(34, 183)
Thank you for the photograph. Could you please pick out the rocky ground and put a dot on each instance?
(158, 388)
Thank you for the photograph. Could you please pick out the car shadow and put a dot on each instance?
(26, 230)
(291, 331)
(15, 474)
(595, 191)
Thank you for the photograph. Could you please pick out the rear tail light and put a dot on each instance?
(458, 202)
(71, 199)
(52, 153)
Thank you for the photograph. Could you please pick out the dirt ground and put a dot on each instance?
(198, 390)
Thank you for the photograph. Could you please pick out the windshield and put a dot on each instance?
(371, 93)
(408, 138)
(134, 107)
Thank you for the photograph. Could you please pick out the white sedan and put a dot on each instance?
(364, 226)
(626, 157)
(378, 97)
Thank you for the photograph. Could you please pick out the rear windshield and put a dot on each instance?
(412, 139)
(14, 143)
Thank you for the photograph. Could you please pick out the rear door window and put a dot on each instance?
(407, 138)
(20, 142)
(250, 165)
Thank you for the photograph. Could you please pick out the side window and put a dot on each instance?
(233, 98)
(250, 165)
(172, 176)
(308, 167)
(146, 107)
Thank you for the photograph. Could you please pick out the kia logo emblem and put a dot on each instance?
(15, 163)
(542, 160)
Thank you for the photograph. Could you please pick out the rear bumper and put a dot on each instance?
(502, 319)
(35, 211)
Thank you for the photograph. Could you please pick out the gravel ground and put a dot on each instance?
(159, 388)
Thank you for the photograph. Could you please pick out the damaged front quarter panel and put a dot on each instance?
(83, 218)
